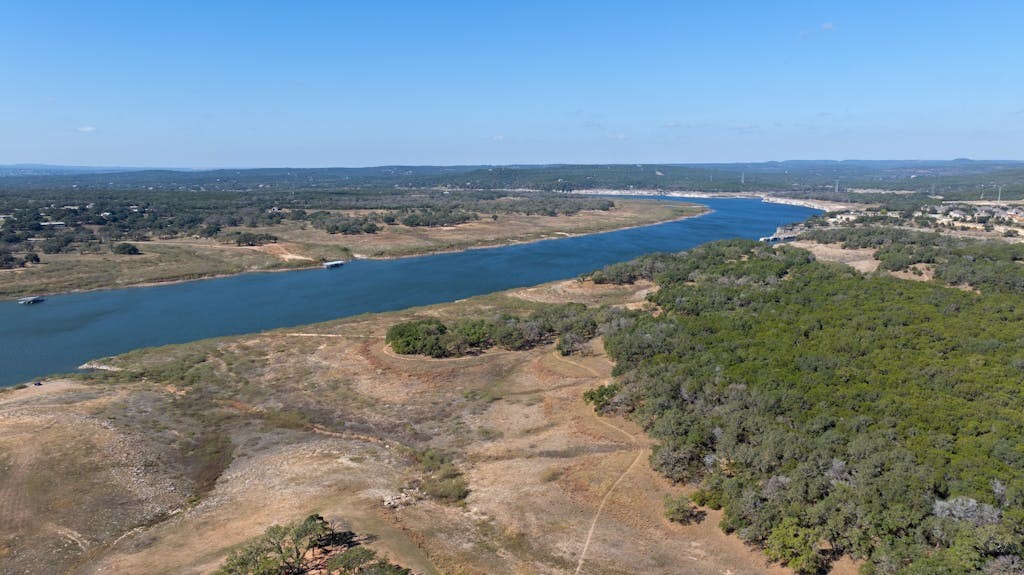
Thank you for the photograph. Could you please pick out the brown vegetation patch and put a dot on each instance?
(917, 272)
(861, 259)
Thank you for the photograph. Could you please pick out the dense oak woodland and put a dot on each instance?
(828, 412)
(955, 179)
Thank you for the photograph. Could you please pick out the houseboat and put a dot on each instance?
(334, 264)
(30, 300)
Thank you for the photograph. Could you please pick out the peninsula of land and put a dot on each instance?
(287, 244)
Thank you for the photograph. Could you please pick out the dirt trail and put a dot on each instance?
(600, 508)
(604, 500)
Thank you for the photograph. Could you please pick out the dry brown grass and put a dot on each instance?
(546, 474)
(161, 261)
(862, 260)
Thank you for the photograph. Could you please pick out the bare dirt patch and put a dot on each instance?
(917, 272)
(282, 251)
(862, 260)
(587, 292)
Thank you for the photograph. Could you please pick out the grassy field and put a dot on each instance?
(179, 453)
(302, 246)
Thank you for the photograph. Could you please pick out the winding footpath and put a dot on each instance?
(640, 450)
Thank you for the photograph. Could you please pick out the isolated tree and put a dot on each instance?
(281, 549)
(125, 249)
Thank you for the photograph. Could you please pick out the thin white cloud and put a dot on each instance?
(86, 129)
(498, 138)
(828, 27)
(690, 125)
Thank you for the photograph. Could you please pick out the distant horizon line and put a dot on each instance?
(30, 165)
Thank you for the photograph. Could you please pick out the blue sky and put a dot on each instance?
(349, 83)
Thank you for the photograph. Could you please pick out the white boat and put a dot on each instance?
(30, 300)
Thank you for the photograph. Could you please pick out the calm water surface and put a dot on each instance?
(68, 330)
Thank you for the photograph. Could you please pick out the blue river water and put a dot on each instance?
(67, 330)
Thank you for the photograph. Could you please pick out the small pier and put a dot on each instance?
(782, 234)
(778, 237)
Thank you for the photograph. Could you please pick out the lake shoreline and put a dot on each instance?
(69, 331)
(316, 265)
(823, 205)
(558, 236)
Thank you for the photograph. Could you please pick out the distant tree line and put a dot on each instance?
(60, 221)
(956, 179)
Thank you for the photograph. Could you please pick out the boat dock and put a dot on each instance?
(777, 237)
(783, 234)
